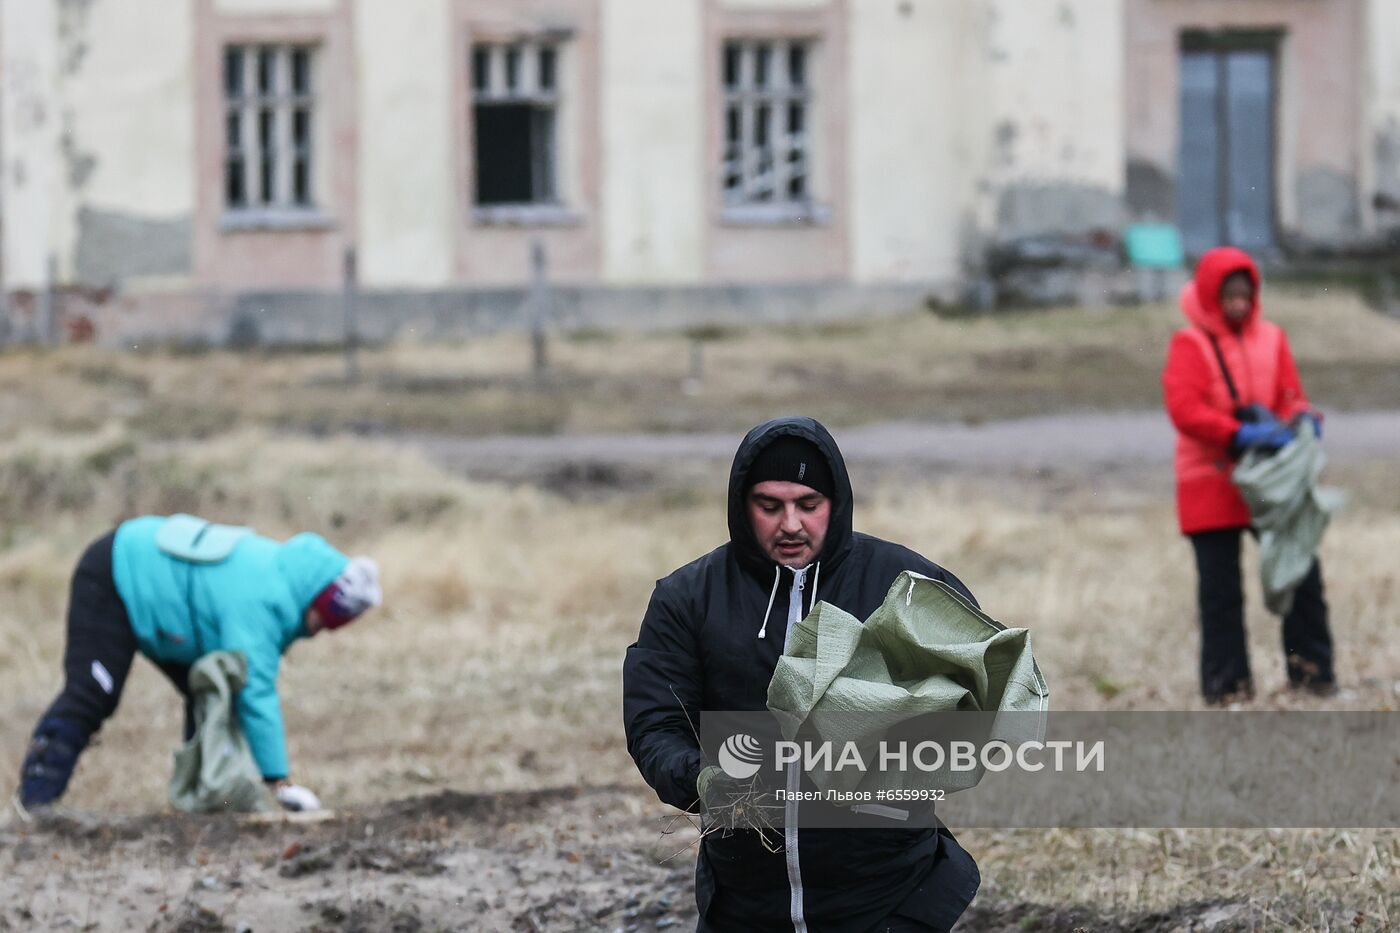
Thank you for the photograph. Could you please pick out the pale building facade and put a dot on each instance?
(169, 165)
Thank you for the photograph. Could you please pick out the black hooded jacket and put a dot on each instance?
(699, 649)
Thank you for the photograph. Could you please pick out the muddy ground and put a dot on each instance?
(570, 859)
(443, 862)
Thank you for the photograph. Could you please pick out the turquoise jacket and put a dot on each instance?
(251, 597)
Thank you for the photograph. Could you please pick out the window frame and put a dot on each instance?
(549, 207)
(281, 207)
(773, 99)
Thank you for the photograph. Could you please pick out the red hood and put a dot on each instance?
(1200, 299)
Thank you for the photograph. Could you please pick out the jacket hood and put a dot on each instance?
(308, 563)
(1200, 299)
(838, 533)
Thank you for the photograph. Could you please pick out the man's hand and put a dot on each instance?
(294, 797)
(734, 803)
(710, 792)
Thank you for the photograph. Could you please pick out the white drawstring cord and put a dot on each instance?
(777, 578)
(816, 582)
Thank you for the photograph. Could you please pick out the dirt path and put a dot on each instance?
(1070, 441)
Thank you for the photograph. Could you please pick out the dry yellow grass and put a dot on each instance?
(495, 664)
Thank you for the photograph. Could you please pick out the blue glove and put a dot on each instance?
(1266, 436)
(1256, 414)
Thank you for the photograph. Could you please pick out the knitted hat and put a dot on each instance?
(350, 594)
(794, 460)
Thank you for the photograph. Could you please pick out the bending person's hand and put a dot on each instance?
(295, 798)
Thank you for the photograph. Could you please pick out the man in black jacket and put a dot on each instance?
(711, 639)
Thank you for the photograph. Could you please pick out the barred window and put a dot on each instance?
(767, 97)
(515, 105)
(268, 128)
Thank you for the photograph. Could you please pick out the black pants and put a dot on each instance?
(1307, 643)
(101, 647)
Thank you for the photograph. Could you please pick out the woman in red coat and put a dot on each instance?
(1231, 384)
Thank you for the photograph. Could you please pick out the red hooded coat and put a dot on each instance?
(1198, 398)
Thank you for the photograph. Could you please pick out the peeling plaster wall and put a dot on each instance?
(407, 196)
(653, 142)
(1327, 205)
(113, 247)
(909, 165)
(1054, 116)
(31, 179)
(126, 139)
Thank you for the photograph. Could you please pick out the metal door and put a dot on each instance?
(1225, 187)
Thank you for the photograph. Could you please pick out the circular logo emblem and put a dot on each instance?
(741, 756)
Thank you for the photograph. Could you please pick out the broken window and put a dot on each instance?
(515, 105)
(767, 100)
(268, 121)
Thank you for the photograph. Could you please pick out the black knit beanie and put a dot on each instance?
(794, 460)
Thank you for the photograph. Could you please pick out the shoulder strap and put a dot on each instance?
(1224, 370)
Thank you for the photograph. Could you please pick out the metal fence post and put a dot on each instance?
(47, 315)
(539, 300)
(347, 306)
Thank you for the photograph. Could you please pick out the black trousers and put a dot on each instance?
(101, 647)
(1307, 642)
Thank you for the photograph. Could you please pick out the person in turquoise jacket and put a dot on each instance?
(176, 588)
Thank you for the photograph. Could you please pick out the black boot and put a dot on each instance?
(53, 754)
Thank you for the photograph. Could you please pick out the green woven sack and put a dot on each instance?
(1288, 510)
(926, 649)
(215, 770)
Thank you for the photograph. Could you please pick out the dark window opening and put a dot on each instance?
(547, 69)
(265, 70)
(797, 182)
(233, 73)
(301, 71)
(233, 182)
(797, 66)
(481, 69)
(514, 154)
(301, 157)
(512, 68)
(267, 157)
(731, 65)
